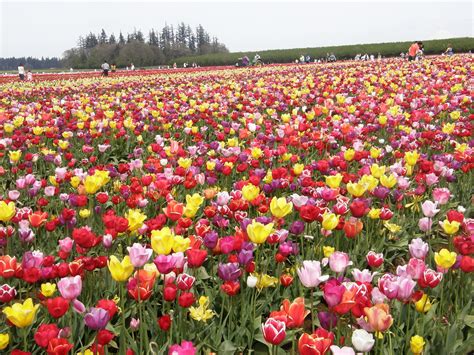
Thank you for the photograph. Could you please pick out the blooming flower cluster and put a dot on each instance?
(314, 209)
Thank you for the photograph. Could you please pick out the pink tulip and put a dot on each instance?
(310, 273)
(70, 287)
(139, 255)
(377, 296)
(66, 244)
(338, 261)
(405, 288)
(425, 224)
(364, 276)
(345, 350)
(13, 195)
(416, 268)
(333, 291)
(429, 208)
(418, 248)
(431, 179)
(441, 195)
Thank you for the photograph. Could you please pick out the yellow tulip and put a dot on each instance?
(328, 251)
(356, 189)
(455, 115)
(411, 157)
(258, 232)
(120, 270)
(48, 289)
(423, 305)
(135, 219)
(388, 181)
(374, 213)
(201, 313)
(256, 153)
(298, 169)
(280, 207)
(4, 340)
(7, 211)
(14, 155)
(250, 192)
(195, 200)
(75, 181)
(383, 120)
(369, 182)
(375, 152)
(330, 221)
(211, 165)
(450, 227)
(162, 241)
(180, 244)
(448, 128)
(92, 184)
(416, 344)
(349, 154)
(264, 281)
(445, 259)
(84, 213)
(334, 181)
(22, 314)
(185, 163)
(377, 171)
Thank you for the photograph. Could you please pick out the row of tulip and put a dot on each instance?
(306, 209)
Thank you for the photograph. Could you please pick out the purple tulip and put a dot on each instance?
(96, 318)
(229, 271)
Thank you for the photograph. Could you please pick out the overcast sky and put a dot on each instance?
(38, 28)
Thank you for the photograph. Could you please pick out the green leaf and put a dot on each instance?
(227, 347)
(469, 321)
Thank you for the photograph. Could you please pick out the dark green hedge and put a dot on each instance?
(342, 52)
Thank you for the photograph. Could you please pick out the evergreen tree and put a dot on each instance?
(121, 39)
(112, 39)
(103, 37)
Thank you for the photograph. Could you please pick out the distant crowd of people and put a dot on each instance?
(415, 53)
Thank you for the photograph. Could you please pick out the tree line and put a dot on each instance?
(156, 48)
(12, 63)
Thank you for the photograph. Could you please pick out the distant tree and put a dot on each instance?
(102, 37)
(138, 36)
(112, 39)
(91, 41)
(121, 39)
(140, 54)
(153, 38)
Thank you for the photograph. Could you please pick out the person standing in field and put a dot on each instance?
(414, 48)
(105, 69)
(21, 71)
(449, 51)
(29, 76)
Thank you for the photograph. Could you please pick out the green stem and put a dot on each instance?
(311, 298)
(122, 317)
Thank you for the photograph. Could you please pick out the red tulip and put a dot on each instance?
(57, 306)
(45, 333)
(59, 346)
(164, 322)
(196, 257)
(293, 314)
(317, 343)
(274, 331)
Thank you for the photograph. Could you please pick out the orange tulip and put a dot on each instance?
(379, 317)
(174, 210)
(293, 314)
(8, 266)
(38, 218)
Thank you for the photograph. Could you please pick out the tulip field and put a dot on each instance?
(287, 209)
